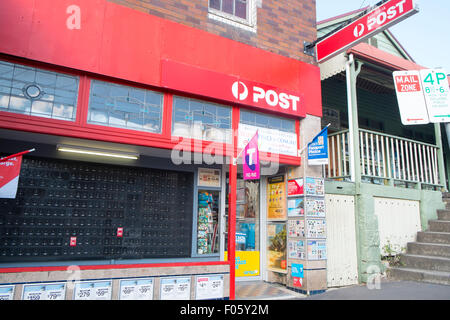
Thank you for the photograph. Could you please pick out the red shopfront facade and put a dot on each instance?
(117, 47)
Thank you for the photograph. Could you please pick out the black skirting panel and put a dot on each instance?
(59, 201)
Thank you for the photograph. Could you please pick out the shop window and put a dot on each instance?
(37, 92)
(201, 120)
(277, 135)
(127, 107)
(240, 13)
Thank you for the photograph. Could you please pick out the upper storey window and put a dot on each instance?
(240, 13)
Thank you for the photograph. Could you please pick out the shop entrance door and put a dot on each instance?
(248, 229)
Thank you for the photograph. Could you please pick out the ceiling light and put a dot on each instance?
(98, 152)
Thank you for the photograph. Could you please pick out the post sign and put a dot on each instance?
(436, 92)
(410, 97)
(375, 21)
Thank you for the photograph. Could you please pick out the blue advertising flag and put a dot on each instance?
(318, 149)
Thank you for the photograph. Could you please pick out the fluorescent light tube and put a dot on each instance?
(98, 152)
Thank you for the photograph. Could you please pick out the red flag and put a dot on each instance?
(9, 177)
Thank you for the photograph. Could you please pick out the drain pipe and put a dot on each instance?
(351, 153)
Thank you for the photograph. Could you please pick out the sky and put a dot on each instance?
(425, 35)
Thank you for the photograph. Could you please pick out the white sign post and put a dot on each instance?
(410, 96)
(436, 91)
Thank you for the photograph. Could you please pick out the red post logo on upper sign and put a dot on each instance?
(375, 21)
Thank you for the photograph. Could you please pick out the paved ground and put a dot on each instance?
(389, 290)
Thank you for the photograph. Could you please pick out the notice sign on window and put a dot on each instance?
(209, 287)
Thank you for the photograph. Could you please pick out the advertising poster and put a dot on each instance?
(136, 289)
(295, 187)
(318, 149)
(316, 228)
(317, 250)
(296, 207)
(175, 289)
(45, 291)
(314, 187)
(7, 292)
(296, 228)
(209, 287)
(315, 207)
(296, 249)
(276, 198)
(93, 290)
(276, 250)
(247, 263)
(208, 178)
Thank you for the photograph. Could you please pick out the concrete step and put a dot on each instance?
(439, 226)
(407, 274)
(412, 261)
(429, 249)
(443, 215)
(433, 237)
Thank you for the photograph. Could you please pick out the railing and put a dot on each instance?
(384, 157)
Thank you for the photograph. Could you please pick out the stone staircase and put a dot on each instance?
(428, 259)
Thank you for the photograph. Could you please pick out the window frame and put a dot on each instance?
(248, 24)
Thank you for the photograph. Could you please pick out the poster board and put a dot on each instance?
(276, 198)
(296, 207)
(317, 250)
(296, 228)
(315, 207)
(276, 247)
(316, 228)
(314, 187)
(296, 249)
(208, 178)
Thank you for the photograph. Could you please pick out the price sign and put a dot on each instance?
(55, 291)
(136, 289)
(209, 287)
(97, 290)
(410, 97)
(436, 91)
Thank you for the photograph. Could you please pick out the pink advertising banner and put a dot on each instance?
(251, 159)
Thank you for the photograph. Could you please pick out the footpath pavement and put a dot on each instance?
(388, 290)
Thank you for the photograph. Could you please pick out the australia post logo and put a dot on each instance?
(267, 98)
(379, 17)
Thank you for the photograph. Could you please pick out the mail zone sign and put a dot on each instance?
(375, 21)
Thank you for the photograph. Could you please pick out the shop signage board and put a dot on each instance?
(44, 291)
(410, 97)
(297, 270)
(269, 140)
(136, 289)
(234, 89)
(436, 92)
(375, 21)
(209, 287)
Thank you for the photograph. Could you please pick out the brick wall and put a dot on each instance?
(281, 25)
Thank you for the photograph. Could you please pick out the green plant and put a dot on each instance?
(392, 255)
